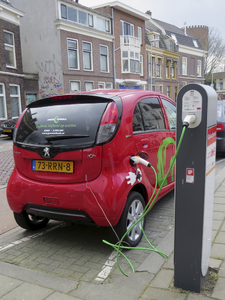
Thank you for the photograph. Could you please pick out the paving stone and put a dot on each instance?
(215, 263)
(7, 284)
(218, 291)
(216, 224)
(220, 238)
(218, 215)
(218, 251)
(223, 227)
(163, 279)
(158, 294)
(196, 297)
(28, 291)
(60, 296)
(222, 270)
(169, 264)
(219, 207)
(219, 200)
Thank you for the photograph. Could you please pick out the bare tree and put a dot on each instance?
(215, 52)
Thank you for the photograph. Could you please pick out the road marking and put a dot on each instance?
(107, 268)
(28, 238)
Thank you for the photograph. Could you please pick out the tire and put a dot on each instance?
(30, 222)
(132, 212)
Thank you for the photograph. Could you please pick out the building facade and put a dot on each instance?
(128, 26)
(184, 63)
(70, 48)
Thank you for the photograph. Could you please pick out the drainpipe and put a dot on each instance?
(114, 65)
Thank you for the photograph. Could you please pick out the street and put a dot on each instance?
(75, 252)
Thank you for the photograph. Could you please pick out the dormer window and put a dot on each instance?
(195, 43)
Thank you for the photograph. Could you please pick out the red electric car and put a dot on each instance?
(73, 158)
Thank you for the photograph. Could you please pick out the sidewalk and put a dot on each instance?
(152, 280)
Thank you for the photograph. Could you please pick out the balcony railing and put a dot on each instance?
(130, 41)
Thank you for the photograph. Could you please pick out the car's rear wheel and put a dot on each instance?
(29, 221)
(132, 212)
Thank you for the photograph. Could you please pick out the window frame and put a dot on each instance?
(16, 96)
(86, 82)
(76, 50)
(13, 49)
(131, 26)
(168, 89)
(101, 83)
(77, 81)
(184, 65)
(199, 68)
(107, 58)
(4, 102)
(140, 34)
(165, 108)
(90, 55)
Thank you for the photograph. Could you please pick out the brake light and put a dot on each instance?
(220, 127)
(17, 125)
(108, 124)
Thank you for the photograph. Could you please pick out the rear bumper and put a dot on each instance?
(68, 201)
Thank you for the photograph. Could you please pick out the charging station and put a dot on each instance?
(194, 188)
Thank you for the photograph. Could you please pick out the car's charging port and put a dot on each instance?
(137, 159)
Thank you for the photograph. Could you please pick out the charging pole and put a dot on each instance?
(194, 188)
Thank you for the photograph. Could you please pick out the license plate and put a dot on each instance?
(58, 166)
(7, 130)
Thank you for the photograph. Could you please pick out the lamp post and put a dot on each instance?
(151, 41)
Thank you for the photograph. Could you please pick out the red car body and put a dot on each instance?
(102, 176)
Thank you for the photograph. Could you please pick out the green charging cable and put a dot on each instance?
(146, 210)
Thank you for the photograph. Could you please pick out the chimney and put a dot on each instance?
(148, 12)
(185, 29)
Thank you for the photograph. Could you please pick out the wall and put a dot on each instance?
(41, 44)
(201, 33)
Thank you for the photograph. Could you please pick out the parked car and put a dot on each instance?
(1, 129)
(220, 138)
(73, 158)
(8, 126)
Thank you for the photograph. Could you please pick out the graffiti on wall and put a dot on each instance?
(50, 82)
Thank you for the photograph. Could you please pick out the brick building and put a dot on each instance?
(129, 44)
(71, 49)
(201, 33)
(15, 86)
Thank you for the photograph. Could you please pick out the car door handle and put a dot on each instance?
(144, 142)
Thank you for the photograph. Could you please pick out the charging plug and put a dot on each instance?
(138, 159)
(189, 119)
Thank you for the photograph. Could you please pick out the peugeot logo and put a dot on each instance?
(46, 151)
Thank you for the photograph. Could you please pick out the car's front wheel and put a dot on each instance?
(132, 212)
(29, 221)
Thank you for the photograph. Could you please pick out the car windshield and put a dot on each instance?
(69, 125)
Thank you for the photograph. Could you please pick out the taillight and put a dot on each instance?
(17, 125)
(220, 127)
(108, 124)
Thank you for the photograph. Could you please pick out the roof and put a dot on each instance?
(170, 30)
(7, 2)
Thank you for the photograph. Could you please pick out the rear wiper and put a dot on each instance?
(63, 137)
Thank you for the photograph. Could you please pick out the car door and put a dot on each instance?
(151, 135)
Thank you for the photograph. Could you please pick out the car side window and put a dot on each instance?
(171, 113)
(152, 114)
(137, 119)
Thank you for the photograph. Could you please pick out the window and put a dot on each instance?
(168, 91)
(72, 14)
(195, 43)
(109, 85)
(82, 17)
(127, 28)
(63, 11)
(141, 65)
(15, 100)
(3, 114)
(104, 58)
(90, 20)
(72, 54)
(199, 68)
(101, 85)
(170, 45)
(9, 49)
(173, 36)
(107, 26)
(184, 65)
(167, 69)
(87, 56)
(152, 114)
(151, 67)
(153, 88)
(30, 98)
(131, 61)
(140, 34)
(89, 85)
(74, 86)
(161, 89)
(138, 124)
(176, 92)
(173, 70)
(171, 113)
(103, 24)
(158, 68)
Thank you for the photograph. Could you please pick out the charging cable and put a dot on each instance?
(149, 206)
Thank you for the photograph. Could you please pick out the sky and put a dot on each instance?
(194, 12)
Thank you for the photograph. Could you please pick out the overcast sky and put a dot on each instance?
(176, 12)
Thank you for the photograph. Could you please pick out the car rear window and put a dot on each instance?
(73, 125)
(221, 111)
